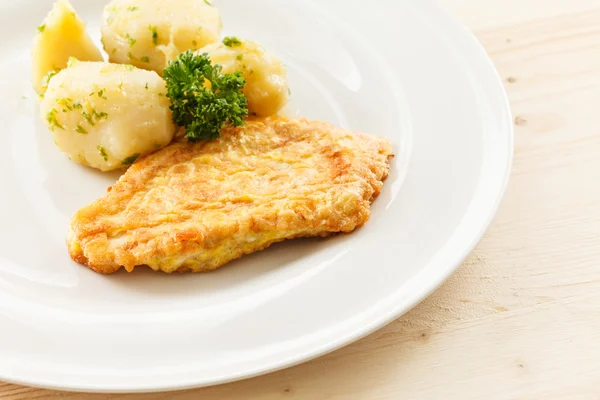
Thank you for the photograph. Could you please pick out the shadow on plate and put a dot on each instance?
(250, 270)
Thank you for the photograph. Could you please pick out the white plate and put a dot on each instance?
(399, 68)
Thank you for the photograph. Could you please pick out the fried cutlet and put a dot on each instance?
(195, 207)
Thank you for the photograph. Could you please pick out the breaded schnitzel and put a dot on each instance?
(195, 207)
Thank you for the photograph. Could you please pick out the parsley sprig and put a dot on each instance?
(203, 110)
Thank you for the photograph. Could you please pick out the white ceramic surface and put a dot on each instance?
(399, 68)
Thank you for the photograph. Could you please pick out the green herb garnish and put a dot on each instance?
(80, 129)
(145, 59)
(132, 8)
(94, 117)
(72, 61)
(88, 118)
(41, 28)
(47, 77)
(208, 2)
(154, 34)
(102, 151)
(99, 115)
(65, 102)
(232, 41)
(203, 111)
(52, 121)
(131, 159)
(130, 40)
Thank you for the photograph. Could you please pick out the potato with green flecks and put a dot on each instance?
(62, 35)
(107, 115)
(149, 33)
(267, 87)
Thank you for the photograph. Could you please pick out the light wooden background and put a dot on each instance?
(520, 320)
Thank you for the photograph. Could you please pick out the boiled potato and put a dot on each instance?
(60, 36)
(107, 115)
(149, 33)
(266, 79)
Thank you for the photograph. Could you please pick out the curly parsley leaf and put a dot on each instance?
(204, 109)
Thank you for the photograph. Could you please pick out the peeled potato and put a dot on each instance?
(107, 115)
(266, 79)
(61, 35)
(149, 33)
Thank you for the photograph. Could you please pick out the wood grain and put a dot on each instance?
(520, 320)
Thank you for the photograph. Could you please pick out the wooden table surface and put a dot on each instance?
(520, 320)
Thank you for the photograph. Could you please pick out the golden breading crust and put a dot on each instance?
(195, 207)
